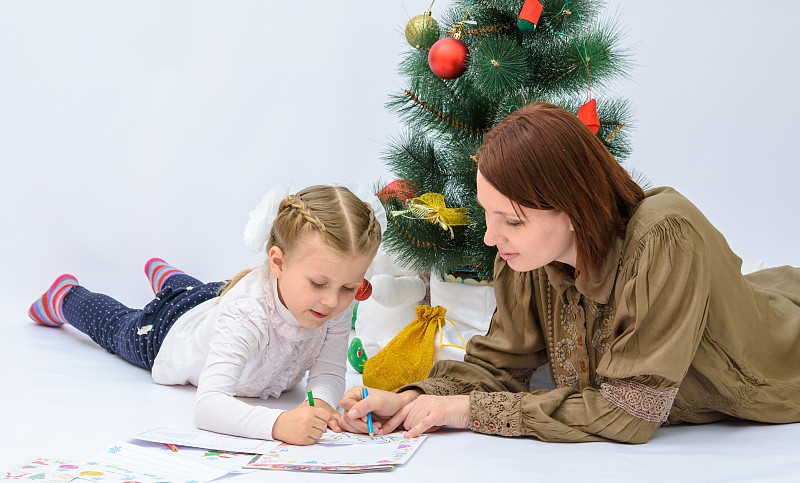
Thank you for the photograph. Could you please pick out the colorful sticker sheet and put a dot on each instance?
(43, 470)
(120, 462)
(123, 462)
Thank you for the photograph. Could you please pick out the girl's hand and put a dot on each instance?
(388, 409)
(432, 412)
(302, 425)
(333, 422)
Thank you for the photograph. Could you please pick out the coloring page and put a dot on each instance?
(329, 437)
(360, 454)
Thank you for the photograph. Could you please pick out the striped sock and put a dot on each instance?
(158, 271)
(46, 310)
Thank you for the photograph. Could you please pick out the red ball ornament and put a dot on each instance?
(364, 290)
(448, 57)
(401, 189)
(588, 114)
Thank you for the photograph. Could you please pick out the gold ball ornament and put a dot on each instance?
(422, 31)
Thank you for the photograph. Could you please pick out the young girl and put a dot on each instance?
(256, 335)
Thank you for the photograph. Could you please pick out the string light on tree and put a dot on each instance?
(529, 16)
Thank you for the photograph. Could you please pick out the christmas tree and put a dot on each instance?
(467, 70)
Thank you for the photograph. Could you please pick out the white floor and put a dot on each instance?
(64, 397)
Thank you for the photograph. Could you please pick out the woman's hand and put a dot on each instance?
(388, 409)
(302, 425)
(432, 412)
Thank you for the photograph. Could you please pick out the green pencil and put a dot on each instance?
(310, 399)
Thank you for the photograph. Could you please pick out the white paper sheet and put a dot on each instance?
(224, 460)
(127, 462)
(197, 438)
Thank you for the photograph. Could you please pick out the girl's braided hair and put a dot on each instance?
(345, 223)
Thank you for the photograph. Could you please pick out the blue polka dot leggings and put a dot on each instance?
(135, 334)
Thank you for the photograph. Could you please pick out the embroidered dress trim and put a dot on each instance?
(564, 372)
(438, 386)
(496, 413)
(524, 376)
(639, 400)
(602, 336)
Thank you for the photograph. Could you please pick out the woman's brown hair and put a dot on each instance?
(544, 157)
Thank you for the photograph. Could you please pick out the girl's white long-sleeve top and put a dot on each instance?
(246, 343)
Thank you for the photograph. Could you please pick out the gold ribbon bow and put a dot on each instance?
(431, 207)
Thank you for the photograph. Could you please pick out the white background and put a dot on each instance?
(137, 129)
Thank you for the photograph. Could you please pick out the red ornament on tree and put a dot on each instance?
(364, 290)
(401, 189)
(588, 114)
(448, 57)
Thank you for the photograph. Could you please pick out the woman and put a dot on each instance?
(634, 299)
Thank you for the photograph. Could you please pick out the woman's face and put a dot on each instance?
(526, 242)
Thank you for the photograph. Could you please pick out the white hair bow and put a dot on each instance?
(262, 217)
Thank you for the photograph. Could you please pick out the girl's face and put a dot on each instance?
(528, 242)
(314, 282)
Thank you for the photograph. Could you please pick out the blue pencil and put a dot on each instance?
(369, 415)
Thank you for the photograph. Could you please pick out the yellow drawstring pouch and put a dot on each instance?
(408, 357)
